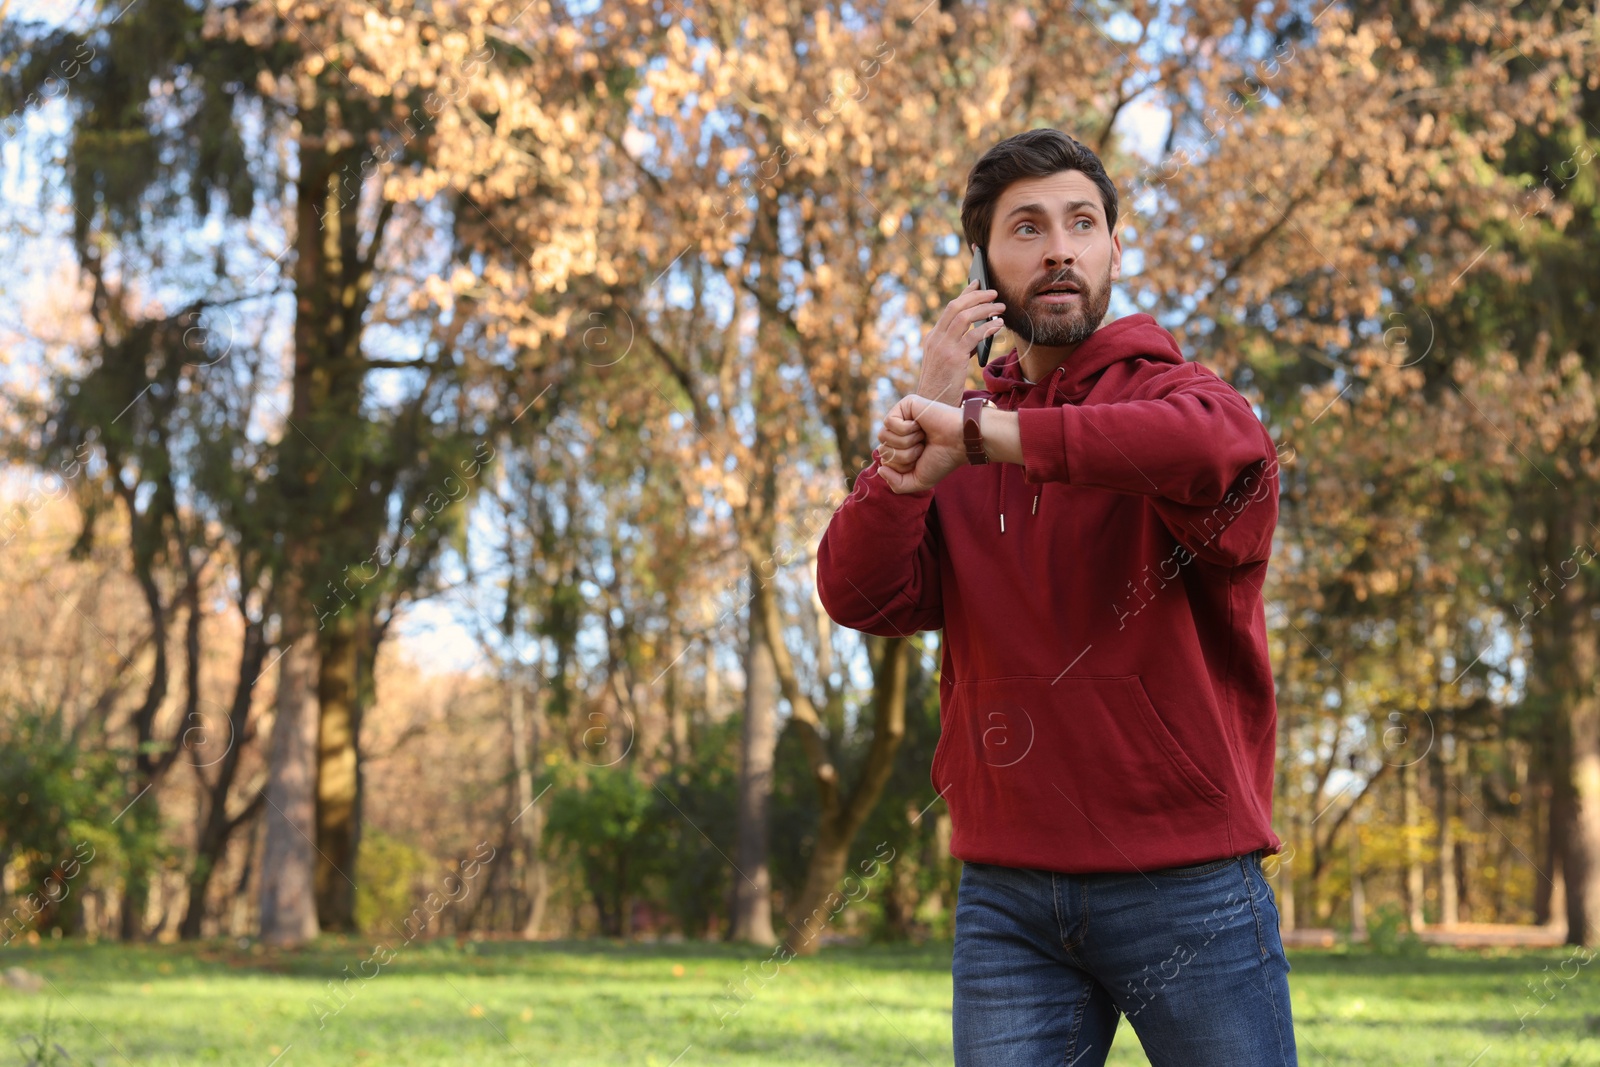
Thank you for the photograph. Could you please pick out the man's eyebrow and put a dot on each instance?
(1040, 209)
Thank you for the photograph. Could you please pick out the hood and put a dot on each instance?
(1136, 336)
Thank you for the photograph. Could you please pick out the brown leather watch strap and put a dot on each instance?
(971, 429)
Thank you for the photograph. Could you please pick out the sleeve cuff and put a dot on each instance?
(1042, 433)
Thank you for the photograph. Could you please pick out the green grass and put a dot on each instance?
(589, 1003)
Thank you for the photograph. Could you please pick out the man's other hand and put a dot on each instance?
(921, 441)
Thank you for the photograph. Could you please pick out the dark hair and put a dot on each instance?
(1031, 154)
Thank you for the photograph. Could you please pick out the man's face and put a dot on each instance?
(1049, 232)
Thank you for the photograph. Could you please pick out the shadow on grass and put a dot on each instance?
(331, 954)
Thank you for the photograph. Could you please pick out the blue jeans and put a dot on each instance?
(1046, 963)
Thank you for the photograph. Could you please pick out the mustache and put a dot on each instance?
(1068, 278)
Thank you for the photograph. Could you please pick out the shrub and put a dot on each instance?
(387, 872)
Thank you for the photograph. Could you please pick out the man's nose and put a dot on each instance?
(1060, 253)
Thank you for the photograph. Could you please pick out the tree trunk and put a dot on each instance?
(752, 897)
(135, 901)
(713, 684)
(1471, 831)
(1447, 843)
(332, 511)
(820, 901)
(677, 707)
(650, 736)
(152, 758)
(240, 920)
(526, 739)
(1582, 868)
(842, 817)
(338, 786)
(1358, 896)
(288, 858)
(218, 826)
(1550, 891)
(1415, 884)
(1318, 899)
(1565, 646)
(900, 902)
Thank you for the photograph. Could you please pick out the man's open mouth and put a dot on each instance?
(1059, 294)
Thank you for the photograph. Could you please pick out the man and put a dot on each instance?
(1108, 724)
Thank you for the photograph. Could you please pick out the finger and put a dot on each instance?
(909, 407)
(975, 334)
(968, 288)
(906, 455)
(905, 459)
(968, 298)
(898, 481)
(974, 298)
(984, 313)
(959, 328)
(924, 408)
(895, 424)
(994, 320)
(901, 442)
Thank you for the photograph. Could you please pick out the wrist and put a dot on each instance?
(944, 391)
(1002, 441)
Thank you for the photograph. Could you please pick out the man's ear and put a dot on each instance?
(1116, 257)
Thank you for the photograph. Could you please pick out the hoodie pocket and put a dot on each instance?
(1082, 767)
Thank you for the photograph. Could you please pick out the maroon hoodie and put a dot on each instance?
(1105, 699)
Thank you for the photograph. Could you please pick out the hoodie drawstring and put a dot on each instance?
(1049, 400)
(1003, 467)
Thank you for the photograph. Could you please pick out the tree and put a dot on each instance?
(391, 123)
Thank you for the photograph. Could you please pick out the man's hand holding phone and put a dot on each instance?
(909, 461)
(967, 320)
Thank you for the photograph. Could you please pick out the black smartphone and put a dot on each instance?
(979, 272)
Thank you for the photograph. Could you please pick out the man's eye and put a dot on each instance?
(1088, 222)
(1026, 225)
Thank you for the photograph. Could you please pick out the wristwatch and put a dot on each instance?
(971, 431)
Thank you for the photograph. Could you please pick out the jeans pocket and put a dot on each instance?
(1268, 921)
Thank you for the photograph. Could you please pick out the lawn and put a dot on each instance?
(554, 1004)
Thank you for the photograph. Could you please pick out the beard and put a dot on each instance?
(1057, 325)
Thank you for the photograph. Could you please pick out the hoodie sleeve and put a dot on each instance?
(1187, 439)
(878, 562)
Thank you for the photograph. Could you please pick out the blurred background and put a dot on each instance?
(420, 419)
